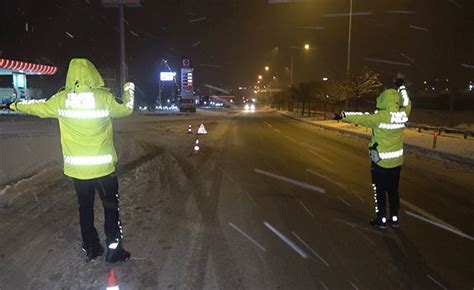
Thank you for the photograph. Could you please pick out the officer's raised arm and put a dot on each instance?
(124, 109)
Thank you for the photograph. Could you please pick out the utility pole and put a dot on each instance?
(123, 65)
(291, 71)
(121, 4)
(349, 38)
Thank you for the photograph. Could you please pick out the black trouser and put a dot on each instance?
(385, 180)
(107, 186)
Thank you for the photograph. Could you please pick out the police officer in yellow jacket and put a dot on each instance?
(385, 148)
(85, 109)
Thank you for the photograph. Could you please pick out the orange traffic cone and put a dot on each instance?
(196, 147)
(112, 283)
(202, 130)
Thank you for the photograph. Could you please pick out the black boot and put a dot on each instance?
(379, 222)
(116, 253)
(93, 251)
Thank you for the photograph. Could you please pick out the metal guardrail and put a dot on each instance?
(439, 130)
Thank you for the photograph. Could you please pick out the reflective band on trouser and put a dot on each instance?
(83, 114)
(391, 126)
(374, 187)
(390, 155)
(88, 160)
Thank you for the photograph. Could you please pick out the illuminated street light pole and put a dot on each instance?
(306, 47)
(349, 41)
(121, 4)
(291, 71)
(123, 66)
(349, 38)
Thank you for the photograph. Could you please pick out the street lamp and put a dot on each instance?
(260, 77)
(349, 38)
(267, 68)
(306, 47)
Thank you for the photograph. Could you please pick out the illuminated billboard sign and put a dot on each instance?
(167, 76)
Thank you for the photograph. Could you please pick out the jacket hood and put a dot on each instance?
(388, 100)
(83, 74)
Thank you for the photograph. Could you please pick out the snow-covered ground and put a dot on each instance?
(39, 209)
(29, 144)
(192, 222)
(445, 143)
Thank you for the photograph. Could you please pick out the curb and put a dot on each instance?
(443, 156)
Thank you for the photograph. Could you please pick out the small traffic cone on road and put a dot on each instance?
(196, 147)
(202, 130)
(189, 129)
(112, 283)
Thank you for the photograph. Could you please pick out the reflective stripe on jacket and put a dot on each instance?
(85, 110)
(387, 124)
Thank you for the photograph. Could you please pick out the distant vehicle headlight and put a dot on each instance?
(247, 107)
(252, 107)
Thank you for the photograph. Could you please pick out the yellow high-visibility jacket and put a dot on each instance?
(387, 124)
(85, 109)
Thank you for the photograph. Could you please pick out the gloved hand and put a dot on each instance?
(6, 106)
(339, 116)
(129, 86)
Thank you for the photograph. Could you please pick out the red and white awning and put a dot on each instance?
(8, 66)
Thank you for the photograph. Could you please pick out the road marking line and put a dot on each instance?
(276, 130)
(287, 241)
(248, 237)
(269, 125)
(326, 178)
(324, 285)
(311, 249)
(311, 146)
(227, 175)
(320, 156)
(307, 209)
(354, 192)
(248, 194)
(291, 139)
(344, 201)
(449, 229)
(354, 285)
(436, 282)
(426, 214)
(292, 181)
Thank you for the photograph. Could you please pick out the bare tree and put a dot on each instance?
(361, 84)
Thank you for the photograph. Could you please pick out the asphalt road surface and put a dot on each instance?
(267, 203)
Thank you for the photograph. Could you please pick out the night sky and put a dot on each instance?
(231, 41)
